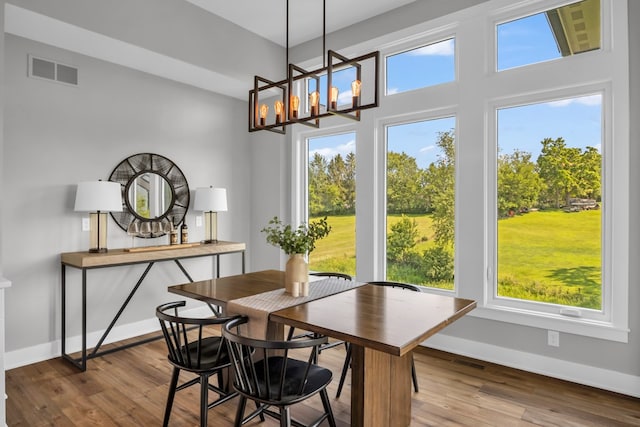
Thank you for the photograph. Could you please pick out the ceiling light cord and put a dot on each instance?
(324, 31)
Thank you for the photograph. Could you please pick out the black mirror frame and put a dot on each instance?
(132, 167)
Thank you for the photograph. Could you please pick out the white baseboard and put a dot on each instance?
(543, 365)
(556, 368)
(38, 353)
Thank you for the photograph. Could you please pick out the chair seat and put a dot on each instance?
(316, 380)
(209, 356)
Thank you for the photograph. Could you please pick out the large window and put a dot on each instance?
(331, 192)
(550, 202)
(498, 157)
(420, 202)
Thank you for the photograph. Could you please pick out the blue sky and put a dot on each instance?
(521, 42)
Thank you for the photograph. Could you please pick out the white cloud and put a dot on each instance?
(345, 98)
(443, 48)
(392, 90)
(330, 152)
(428, 148)
(590, 100)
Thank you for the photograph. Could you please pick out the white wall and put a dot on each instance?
(56, 136)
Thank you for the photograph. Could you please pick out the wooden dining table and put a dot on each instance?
(382, 324)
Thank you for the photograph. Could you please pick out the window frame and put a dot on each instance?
(473, 98)
(611, 322)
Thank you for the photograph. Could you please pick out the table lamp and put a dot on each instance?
(210, 201)
(98, 198)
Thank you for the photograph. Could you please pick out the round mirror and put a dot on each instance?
(155, 194)
(149, 195)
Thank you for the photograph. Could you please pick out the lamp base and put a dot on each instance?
(98, 250)
(208, 242)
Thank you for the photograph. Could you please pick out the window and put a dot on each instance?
(420, 202)
(555, 33)
(421, 67)
(331, 192)
(550, 202)
(577, 103)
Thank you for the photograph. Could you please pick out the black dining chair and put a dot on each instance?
(347, 360)
(265, 371)
(197, 349)
(331, 344)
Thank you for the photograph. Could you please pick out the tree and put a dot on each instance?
(519, 185)
(440, 177)
(401, 239)
(589, 174)
(555, 168)
(318, 181)
(403, 183)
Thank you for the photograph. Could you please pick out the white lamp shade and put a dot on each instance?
(210, 199)
(93, 196)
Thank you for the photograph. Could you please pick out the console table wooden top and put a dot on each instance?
(113, 257)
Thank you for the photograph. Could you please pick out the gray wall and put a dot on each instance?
(57, 135)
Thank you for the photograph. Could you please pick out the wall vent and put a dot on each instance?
(54, 71)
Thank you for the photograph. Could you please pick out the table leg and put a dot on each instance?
(380, 388)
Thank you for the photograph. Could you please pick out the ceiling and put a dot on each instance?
(267, 18)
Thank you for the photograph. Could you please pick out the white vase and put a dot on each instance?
(295, 274)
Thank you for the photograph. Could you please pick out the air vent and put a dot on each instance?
(49, 70)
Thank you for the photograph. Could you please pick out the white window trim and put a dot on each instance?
(611, 322)
(473, 97)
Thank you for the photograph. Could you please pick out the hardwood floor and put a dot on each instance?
(128, 388)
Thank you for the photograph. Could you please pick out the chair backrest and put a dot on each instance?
(263, 370)
(408, 286)
(331, 274)
(191, 345)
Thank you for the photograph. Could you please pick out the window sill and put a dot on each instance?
(576, 326)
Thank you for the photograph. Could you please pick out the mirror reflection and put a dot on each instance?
(150, 195)
(155, 193)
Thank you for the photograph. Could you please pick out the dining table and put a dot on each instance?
(382, 324)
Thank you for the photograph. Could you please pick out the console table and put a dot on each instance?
(120, 257)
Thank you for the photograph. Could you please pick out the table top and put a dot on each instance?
(222, 290)
(113, 257)
(387, 319)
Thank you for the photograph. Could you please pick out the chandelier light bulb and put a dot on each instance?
(314, 97)
(294, 104)
(264, 109)
(334, 97)
(279, 109)
(355, 92)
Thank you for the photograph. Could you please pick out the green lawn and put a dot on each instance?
(549, 256)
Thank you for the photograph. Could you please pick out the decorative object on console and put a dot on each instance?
(210, 201)
(303, 87)
(98, 198)
(155, 192)
(296, 242)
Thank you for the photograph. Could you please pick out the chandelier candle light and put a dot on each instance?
(306, 85)
(210, 201)
(98, 198)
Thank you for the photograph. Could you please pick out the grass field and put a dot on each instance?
(549, 256)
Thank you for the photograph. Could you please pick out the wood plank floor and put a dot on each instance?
(128, 388)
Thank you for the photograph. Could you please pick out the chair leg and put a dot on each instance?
(172, 393)
(414, 375)
(204, 399)
(240, 411)
(345, 368)
(290, 336)
(327, 407)
(285, 417)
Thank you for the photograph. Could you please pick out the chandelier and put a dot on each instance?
(342, 87)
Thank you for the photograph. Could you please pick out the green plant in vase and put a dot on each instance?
(296, 242)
